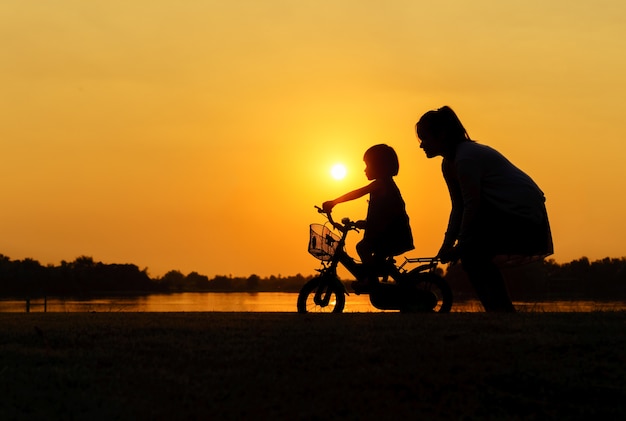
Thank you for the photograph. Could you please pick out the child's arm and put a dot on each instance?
(355, 194)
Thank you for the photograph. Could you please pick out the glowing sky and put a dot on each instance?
(198, 135)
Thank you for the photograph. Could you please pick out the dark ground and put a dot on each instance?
(459, 366)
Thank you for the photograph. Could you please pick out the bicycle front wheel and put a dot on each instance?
(320, 295)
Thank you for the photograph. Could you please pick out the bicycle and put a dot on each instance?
(396, 288)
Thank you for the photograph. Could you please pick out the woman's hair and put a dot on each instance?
(383, 160)
(441, 120)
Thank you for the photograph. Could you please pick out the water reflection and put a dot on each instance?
(257, 302)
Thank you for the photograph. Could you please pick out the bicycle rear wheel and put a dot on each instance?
(321, 295)
(428, 293)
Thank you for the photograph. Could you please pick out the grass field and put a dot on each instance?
(378, 366)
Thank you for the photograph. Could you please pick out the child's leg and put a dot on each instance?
(365, 250)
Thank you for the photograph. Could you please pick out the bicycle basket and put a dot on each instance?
(323, 242)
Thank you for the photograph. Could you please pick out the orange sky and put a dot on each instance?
(197, 136)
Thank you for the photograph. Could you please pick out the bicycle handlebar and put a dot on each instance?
(346, 223)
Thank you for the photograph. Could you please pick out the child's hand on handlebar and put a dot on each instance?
(328, 206)
(360, 224)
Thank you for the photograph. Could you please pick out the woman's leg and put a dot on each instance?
(488, 282)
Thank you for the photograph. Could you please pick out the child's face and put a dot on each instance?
(369, 171)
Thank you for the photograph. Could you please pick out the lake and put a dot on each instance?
(255, 302)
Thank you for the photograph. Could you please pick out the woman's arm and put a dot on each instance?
(469, 179)
(456, 198)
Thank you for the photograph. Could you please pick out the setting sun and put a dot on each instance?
(338, 171)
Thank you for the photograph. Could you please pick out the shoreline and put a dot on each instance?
(258, 302)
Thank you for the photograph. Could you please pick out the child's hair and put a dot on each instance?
(383, 160)
(436, 121)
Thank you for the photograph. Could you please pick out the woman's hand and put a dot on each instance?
(448, 254)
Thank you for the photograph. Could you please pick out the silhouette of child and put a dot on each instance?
(387, 230)
(498, 212)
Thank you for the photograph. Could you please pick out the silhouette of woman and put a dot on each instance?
(498, 212)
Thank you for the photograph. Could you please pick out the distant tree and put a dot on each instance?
(221, 283)
(173, 280)
(195, 281)
(32, 277)
(253, 282)
(125, 277)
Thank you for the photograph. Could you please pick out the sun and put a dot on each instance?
(338, 171)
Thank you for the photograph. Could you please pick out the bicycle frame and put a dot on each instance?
(385, 268)
(419, 289)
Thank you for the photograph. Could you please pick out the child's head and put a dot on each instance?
(381, 161)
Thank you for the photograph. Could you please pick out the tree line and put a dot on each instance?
(603, 279)
(579, 279)
(84, 276)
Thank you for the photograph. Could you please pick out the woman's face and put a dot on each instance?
(432, 145)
